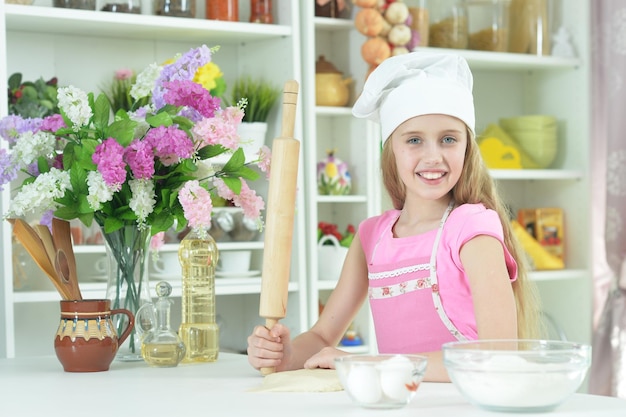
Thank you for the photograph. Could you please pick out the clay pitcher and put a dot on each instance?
(86, 340)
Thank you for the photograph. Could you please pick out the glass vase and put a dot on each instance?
(128, 283)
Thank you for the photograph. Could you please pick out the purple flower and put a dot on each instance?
(12, 126)
(52, 123)
(191, 94)
(8, 169)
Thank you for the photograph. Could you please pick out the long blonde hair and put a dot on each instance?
(475, 185)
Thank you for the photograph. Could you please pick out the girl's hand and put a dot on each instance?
(325, 358)
(269, 348)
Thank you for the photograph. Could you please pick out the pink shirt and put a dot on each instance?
(400, 289)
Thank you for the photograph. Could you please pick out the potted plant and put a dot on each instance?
(261, 96)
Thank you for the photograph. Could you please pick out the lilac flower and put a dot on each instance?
(190, 94)
(170, 144)
(12, 126)
(197, 204)
(140, 159)
(109, 157)
(8, 168)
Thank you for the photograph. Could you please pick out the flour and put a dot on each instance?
(509, 381)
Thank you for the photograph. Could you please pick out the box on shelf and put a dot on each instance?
(546, 226)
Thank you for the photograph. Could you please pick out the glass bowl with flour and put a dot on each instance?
(517, 375)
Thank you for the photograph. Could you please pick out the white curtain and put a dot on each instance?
(608, 178)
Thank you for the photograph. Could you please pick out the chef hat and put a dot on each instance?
(414, 84)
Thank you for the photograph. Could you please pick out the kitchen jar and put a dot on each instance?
(122, 6)
(530, 27)
(448, 24)
(418, 11)
(176, 8)
(261, 11)
(333, 8)
(227, 10)
(488, 25)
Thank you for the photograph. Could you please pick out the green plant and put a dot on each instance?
(32, 99)
(345, 239)
(260, 94)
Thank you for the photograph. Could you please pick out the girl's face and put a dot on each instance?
(430, 152)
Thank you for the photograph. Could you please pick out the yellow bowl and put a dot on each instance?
(540, 146)
(529, 122)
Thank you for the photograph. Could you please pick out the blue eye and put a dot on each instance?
(448, 139)
(414, 140)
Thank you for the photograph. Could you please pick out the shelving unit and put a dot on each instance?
(84, 48)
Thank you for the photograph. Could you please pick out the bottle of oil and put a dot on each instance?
(198, 257)
(160, 347)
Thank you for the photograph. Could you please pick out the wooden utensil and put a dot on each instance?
(61, 265)
(62, 237)
(33, 244)
(281, 203)
(46, 238)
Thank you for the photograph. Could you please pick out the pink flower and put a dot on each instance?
(265, 158)
(109, 157)
(123, 74)
(170, 144)
(197, 205)
(219, 130)
(190, 94)
(223, 190)
(249, 201)
(140, 159)
(52, 123)
(157, 241)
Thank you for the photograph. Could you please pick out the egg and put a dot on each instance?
(363, 384)
(395, 373)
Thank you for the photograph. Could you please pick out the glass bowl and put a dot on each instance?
(516, 375)
(381, 381)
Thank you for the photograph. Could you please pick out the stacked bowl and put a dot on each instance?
(536, 135)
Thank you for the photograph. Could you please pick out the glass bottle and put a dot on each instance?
(419, 21)
(176, 8)
(160, 347)
(448, 24)
(227, 10)
(488, 25)
(199, 331)
(530, 27)
(261, 11)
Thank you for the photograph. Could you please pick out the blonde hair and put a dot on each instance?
(475, 185)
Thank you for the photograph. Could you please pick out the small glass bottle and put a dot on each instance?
(448, 24)
(530, 26)
(199, 331)
(261, 11)
(122, 6)
(160, 346)
(227, 10)
(418, 10)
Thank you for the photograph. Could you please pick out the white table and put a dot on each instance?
(38, 387)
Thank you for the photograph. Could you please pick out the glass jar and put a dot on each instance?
(227, 10)
(530, 27)
(75, 4)
(448, 24)
(261, 11)
(333, 8)
(418, 10)
(488, 25)
(122, 6)
(176, 8)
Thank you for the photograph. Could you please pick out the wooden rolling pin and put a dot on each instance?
(279, 217)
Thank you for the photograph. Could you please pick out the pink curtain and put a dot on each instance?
(608, 179)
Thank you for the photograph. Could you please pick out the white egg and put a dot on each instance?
(395, 373)
(363, 384)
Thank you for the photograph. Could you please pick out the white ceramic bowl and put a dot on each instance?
(517, 375)
(381, 381)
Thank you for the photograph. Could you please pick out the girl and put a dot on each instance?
(443, 265)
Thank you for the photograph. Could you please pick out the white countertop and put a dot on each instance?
(38, 387)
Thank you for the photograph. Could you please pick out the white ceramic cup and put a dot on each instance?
(234, 261)
(167, 264)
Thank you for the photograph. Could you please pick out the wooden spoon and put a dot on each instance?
(33, 244)
(62, 237)
(46, 239)
(62, 267)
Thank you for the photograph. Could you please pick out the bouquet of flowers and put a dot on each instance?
(150, 167)
(331, 229)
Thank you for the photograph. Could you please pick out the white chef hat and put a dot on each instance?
(414, 84)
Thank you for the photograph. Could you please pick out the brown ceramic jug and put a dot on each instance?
(86, 340)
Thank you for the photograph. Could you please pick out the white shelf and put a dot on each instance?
(536, 174)
(173, 247)
(52, 20)
(223, 286)
(558, 275)
(333, 111)
(329, 24)
(341, 198)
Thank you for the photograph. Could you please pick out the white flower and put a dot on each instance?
(145, 81)
(74, 103)
(31, 146)
(143, 200)
(40, 194)
(99, 192)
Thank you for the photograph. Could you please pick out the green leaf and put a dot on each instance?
(78, 179)
(111, 224)
(102, 111)
(159, 119)
(15, 80)
(66, 213)
(234, 183)
(246, 173)
(211, 151)
(122, 130)
(183, 122)
(235, 162)
(42, 164)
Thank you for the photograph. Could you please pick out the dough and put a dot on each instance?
(301, 380)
